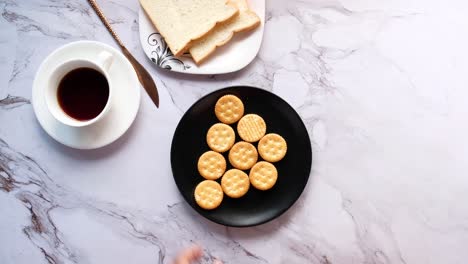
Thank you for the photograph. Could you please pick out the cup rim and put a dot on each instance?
(63, 117)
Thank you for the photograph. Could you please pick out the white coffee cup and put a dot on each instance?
(101, 63)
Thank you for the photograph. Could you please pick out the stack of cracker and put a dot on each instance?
(242, 155)
(199, 26)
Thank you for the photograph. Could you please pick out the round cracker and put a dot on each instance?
(211, 165)
(229, 109)
(235, 183)
(263, 175)
(251, 127)
(208, 194)
(243, 155)
(220, 137)
(272, 147)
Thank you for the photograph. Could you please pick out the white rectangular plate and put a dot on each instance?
(231, 57)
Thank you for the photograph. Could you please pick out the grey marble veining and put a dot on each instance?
(30, 184)
(380, 85)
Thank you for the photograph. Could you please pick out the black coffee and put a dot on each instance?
(83, 93)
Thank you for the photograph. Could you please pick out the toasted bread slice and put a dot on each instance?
(182, 21)
(201, 48)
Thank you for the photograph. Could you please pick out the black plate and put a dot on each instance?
(256, 207)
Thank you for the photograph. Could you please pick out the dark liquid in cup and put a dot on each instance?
(83, 93)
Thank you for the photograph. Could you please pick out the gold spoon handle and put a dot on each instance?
(143, 75)
(104, 20)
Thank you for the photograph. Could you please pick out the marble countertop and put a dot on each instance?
(380, 85)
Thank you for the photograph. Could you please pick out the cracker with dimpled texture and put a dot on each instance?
(208, 194)
(263, 175)
(235, 183)
(229, 109)
(211, 165)
(272, 147)
(243, 155)
(251, 128)
(220, 137)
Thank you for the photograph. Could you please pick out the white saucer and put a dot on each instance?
(125, 101)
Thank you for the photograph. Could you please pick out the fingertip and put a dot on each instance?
(189, 255)
(197, 251)
(217, 261)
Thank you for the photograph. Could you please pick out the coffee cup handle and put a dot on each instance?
(105, 60)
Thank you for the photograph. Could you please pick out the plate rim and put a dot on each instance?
(141, 13)
(268, 219)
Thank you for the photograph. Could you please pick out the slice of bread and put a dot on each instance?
(181, 21)
(201, 48)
